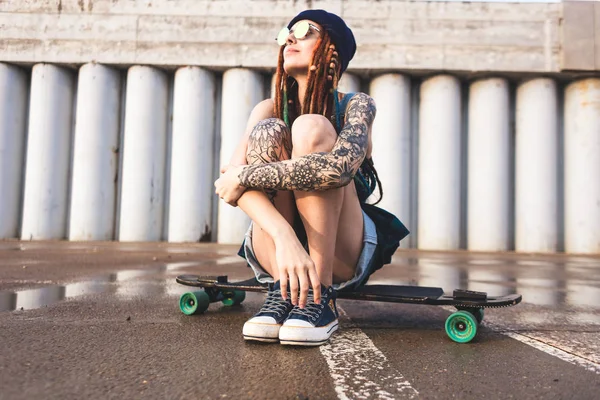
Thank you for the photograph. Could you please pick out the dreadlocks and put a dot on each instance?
(321, 97)
(321, 91)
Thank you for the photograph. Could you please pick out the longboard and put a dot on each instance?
(461, 326)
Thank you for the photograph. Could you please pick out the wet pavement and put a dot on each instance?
(101, 320)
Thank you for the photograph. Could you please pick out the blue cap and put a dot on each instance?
(340, 34)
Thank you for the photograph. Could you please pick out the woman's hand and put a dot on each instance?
(297, 270)
(228, 187)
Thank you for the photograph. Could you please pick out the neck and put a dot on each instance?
(302, 81)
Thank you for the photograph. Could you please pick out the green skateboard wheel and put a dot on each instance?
(233, 298)
(461, 326)
(477, 312)
(194, 302)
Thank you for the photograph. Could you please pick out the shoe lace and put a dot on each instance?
(312, 310)
(274, 303)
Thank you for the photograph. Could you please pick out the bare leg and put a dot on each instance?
(333, 219)
(270, 141)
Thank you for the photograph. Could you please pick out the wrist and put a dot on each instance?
(282, 233)
(241, 176)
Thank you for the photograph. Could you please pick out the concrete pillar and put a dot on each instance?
(536, 201)
(582, 166)
(95, 154)
(14, 92)
(349, 83)
(488, 187)
(192, 157)
(145, 147)
(439, 164)
(48, 153)
(392, 143)
(242, 90)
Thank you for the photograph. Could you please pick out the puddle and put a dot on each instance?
(564, 284)
(126, 284)
(487, 262)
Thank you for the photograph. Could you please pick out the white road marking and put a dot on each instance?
(359, 369)
(547, 348)
(555, 351)
(538, 344)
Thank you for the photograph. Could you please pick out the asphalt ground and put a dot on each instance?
(101, 320)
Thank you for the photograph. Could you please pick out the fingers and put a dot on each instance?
(304, 285)
(305, 277)
(283, 283)
(315, 282)
(293, 287)
(225, 194)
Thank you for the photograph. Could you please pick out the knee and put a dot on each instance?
(272, 127)
(312, 133)
(268, 141)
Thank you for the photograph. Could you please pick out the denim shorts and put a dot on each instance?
(364, 267)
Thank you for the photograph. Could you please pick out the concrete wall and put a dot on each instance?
(581, 35)
(405, 35)
(475, 108)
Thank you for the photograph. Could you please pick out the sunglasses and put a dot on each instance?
(300, 30)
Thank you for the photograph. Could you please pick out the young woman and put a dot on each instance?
(303, 172)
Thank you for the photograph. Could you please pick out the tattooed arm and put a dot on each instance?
(320, 171)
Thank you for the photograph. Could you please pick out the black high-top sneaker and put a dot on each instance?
(314, 324)
(265, 324)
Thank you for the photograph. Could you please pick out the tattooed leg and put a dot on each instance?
(332, 218)
(270, 141)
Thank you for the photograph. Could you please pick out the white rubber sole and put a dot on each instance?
(261, 332)
(306, 336)
(259, 339)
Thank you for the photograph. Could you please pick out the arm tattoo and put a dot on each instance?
(270, 141)
(320, 171)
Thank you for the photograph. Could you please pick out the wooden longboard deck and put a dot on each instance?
(382, 293)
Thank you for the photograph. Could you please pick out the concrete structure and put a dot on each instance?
(392, 143)
(536, 167)
(488, 186)
(242, 90)
(440, 141)
(144, 155)
(582, 166)
(399, 35)
(48, 153)
(439, 164)
(13, 130)
(349, 83)
(192, 156)
(95, 154)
